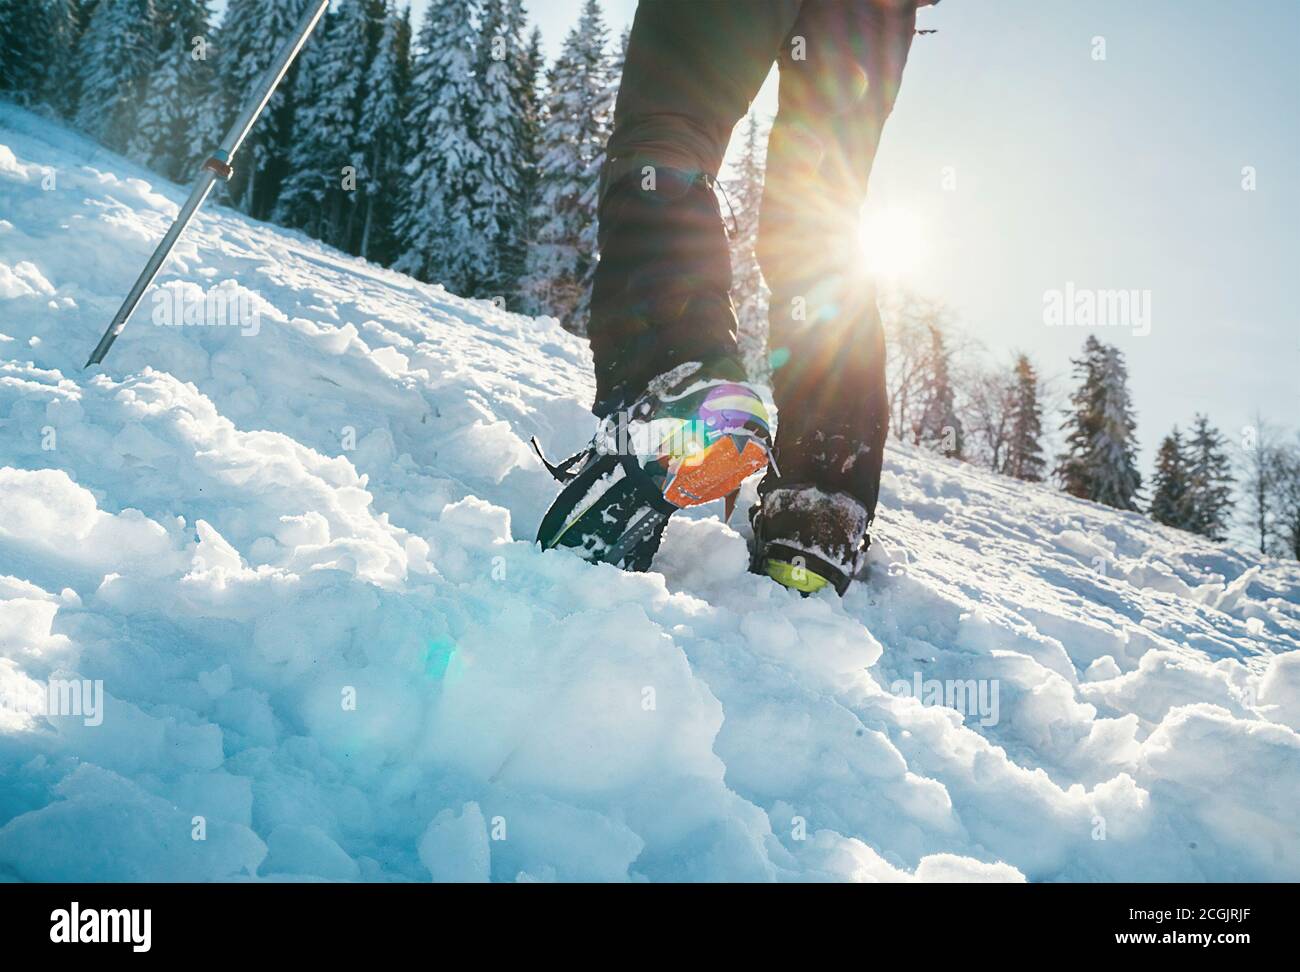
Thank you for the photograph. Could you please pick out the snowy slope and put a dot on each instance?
(300, 563)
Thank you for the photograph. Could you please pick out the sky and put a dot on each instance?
(1022, 159)
(1123, 173)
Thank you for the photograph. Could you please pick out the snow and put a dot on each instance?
(298, 564)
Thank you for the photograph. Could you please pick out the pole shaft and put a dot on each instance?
(248, 116)
(197, 196)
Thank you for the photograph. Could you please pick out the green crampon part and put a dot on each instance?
(796, 578)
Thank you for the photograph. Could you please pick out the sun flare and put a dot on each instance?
(891, 241)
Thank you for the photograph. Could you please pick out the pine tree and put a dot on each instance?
(749, 292)
(318, 193)
(1172, 501)
(62, 25)
(1211, 481)
(1115, 450)
(38, 45)
(20, 71)
(531, 69)
(1082, 423)
(116, 56)
(1286, 499)
(563, 259)
(177, 87)
(251, 34)
(940, 426)
(18, 78)
(1024, 459)
(383, 117)
(603, 119)
(501, 124)
(208, 119)
(1099, 462)
(437, 222)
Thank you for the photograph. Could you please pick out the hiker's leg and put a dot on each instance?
(840, 73)
(661, 294)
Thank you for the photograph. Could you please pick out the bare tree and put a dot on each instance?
(989, 402)
(906, 318)
(1259, 461)
(917, 360)
(1286, 499)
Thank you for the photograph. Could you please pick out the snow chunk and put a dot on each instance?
(1279, 690)
(951, 869)
(307, 850)
(22, 280)
(46, 514)
(454, 846)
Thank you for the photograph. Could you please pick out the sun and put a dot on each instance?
(891, 241)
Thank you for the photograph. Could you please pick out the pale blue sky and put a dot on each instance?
(1123, 173)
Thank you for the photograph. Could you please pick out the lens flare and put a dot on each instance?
(891, 241)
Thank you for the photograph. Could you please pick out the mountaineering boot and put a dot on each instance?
(695, 434)
(807, 539)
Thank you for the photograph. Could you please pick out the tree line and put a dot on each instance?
(451, 152)
(945, 397)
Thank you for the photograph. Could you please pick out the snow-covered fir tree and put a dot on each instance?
(1100, 459)
(382, 128)
(1171, 493)
(1286, 500)
(19, 75)
(208, 120)
(437, 223)
(562, 259)
(1024, 457)
(1114, 456)
(115, 56)
(590, 201)
(940, 428)
(319, 193)
(177, 89)
(38, 46)
(1211, 478)
(531, 71)
(250, 36)
(1082, 422)
(497, 187)
(749, 292)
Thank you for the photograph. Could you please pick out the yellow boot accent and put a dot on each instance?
(796, 578)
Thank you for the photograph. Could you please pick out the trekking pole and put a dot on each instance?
(217, 166)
